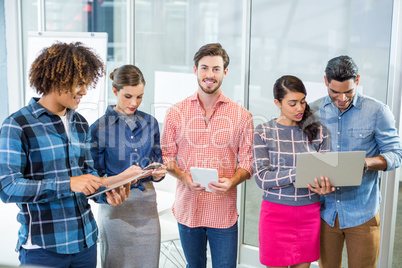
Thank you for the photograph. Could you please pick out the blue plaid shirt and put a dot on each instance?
(367, 125)
(115, 147)
(37, 160)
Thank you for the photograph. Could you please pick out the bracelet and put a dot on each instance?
(365, 167)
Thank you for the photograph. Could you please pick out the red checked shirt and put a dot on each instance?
(224, 142)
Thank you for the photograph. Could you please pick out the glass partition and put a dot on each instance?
(83, 16)
(3, 65)
(168, 34)
(298, 38)
(397, 254)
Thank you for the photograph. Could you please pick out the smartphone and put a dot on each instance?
(152, 166)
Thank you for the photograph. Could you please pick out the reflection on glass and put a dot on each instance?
(397, 255)
(93, 16)
(168, 33)
(29, 23)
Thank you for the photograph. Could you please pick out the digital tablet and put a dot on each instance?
(152, 166)
(342, 168)
(104, 189)
(204, 176)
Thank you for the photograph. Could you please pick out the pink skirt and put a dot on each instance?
(289, 235)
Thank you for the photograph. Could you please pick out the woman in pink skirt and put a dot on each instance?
(289, 227)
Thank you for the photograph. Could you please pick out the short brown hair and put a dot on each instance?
(61, 67)
(126, 75)
(214, 49)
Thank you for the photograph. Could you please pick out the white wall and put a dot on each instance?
(8, 234)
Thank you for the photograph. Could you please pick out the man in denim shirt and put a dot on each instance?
(356, 123)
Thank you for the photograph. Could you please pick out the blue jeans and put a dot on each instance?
(46, 258)
(222, 243)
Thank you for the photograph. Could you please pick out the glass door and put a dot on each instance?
(298, 38)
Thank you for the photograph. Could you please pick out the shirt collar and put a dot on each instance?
(357, 100)
(113, 116)
(38, 110)
(222, 98)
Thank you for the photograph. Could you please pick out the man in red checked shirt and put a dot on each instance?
(208, 130)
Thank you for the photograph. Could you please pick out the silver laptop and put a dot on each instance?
(342, 168)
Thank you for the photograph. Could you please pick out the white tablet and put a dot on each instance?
(342, 168)
(204, 176)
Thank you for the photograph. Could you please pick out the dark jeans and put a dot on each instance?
(46, 258)
(222, 243)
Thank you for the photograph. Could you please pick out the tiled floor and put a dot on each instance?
(172, 255)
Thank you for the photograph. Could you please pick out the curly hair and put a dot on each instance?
(61, 67)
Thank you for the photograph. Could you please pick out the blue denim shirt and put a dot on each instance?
(114, 147)
(367, 125)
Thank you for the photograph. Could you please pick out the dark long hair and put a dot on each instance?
(289, 83)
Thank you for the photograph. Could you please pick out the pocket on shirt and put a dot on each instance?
(142, 142)
(361, 133)
(361, 138)
(118, 156)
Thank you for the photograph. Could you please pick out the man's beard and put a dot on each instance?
(210, 90)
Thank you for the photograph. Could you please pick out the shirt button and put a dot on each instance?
(339, 118)
(135, 149)
(337, 146)
(136, 163)
(360, 135)
(339, 132)
(337, 188)
(337, 201)
(132, 137)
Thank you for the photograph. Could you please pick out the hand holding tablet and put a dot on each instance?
(204, 176)
(117, 183)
